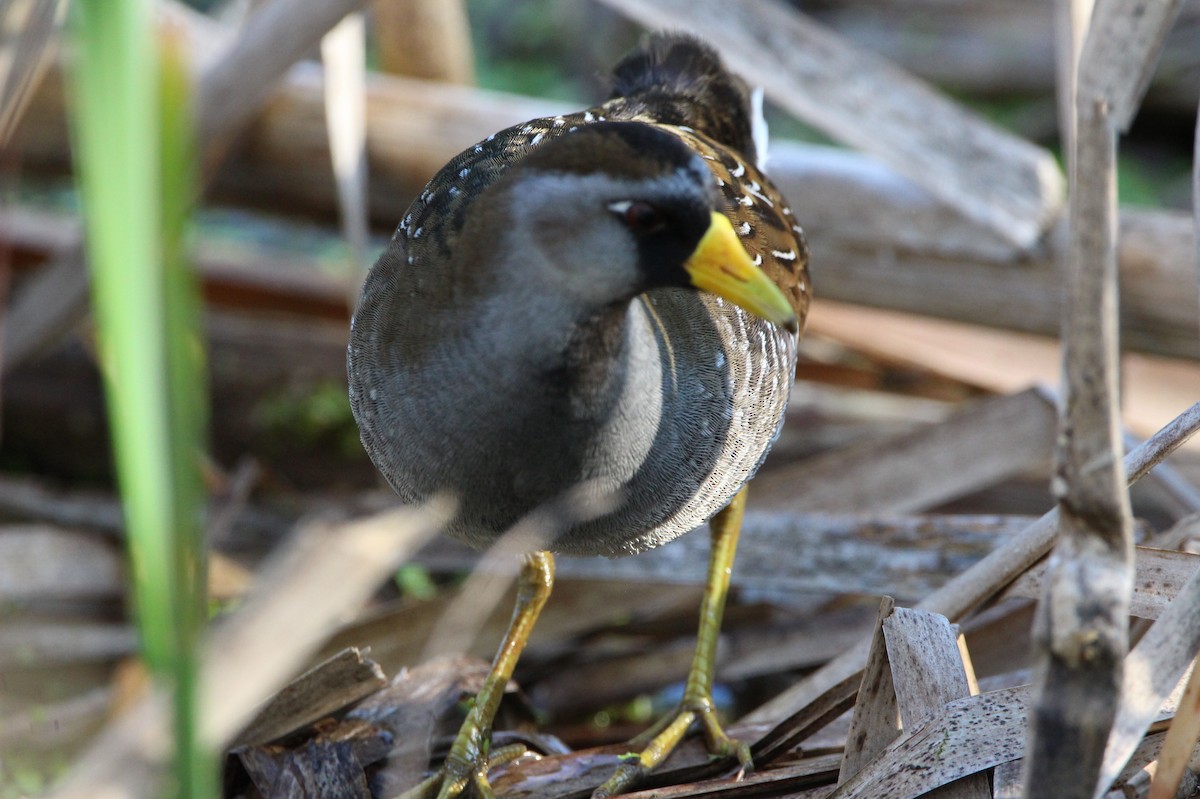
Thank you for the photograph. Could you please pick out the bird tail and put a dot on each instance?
(678, 79)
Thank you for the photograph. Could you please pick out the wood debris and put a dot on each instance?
(916, 463)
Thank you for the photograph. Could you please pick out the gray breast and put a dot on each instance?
(701, 401)
(726, 376)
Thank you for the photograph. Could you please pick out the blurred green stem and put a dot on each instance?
(133, 136)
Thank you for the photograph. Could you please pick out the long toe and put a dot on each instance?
(665, 738)
(456, 774)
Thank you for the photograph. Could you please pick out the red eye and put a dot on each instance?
(639, 216)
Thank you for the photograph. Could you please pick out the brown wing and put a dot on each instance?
(761, 217)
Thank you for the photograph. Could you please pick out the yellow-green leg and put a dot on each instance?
(469, 761)
(660, 740)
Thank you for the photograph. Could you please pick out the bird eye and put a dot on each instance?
(639, 216)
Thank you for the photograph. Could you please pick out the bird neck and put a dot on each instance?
(581, 361)
(594, 362)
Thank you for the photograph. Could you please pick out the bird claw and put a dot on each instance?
(721, 745)
(662, 739)
(457, 773)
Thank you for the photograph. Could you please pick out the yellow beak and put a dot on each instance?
(720, 265)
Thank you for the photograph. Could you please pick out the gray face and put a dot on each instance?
(600, 239)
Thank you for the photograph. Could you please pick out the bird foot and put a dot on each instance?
(461, 772)
(660, 740)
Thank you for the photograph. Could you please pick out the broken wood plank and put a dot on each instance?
(997, 179)
(325, 688)
(928, 673)
(876, 719)
(975, 447)
(977, 584)
(1155, 252)
(927, 668)
(853, 205)
(968, 736)
(1159, 575)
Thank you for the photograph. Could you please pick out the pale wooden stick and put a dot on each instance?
(234, 85)
(1152, 672)
(1081, 624)
(425, 39)
(30, 35)
(1071, 22)
(1181, 740)
(1121, 50)
(343, 53)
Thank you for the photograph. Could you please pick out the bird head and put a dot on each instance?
(615, 209)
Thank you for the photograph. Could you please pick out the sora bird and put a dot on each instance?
(600, 306)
